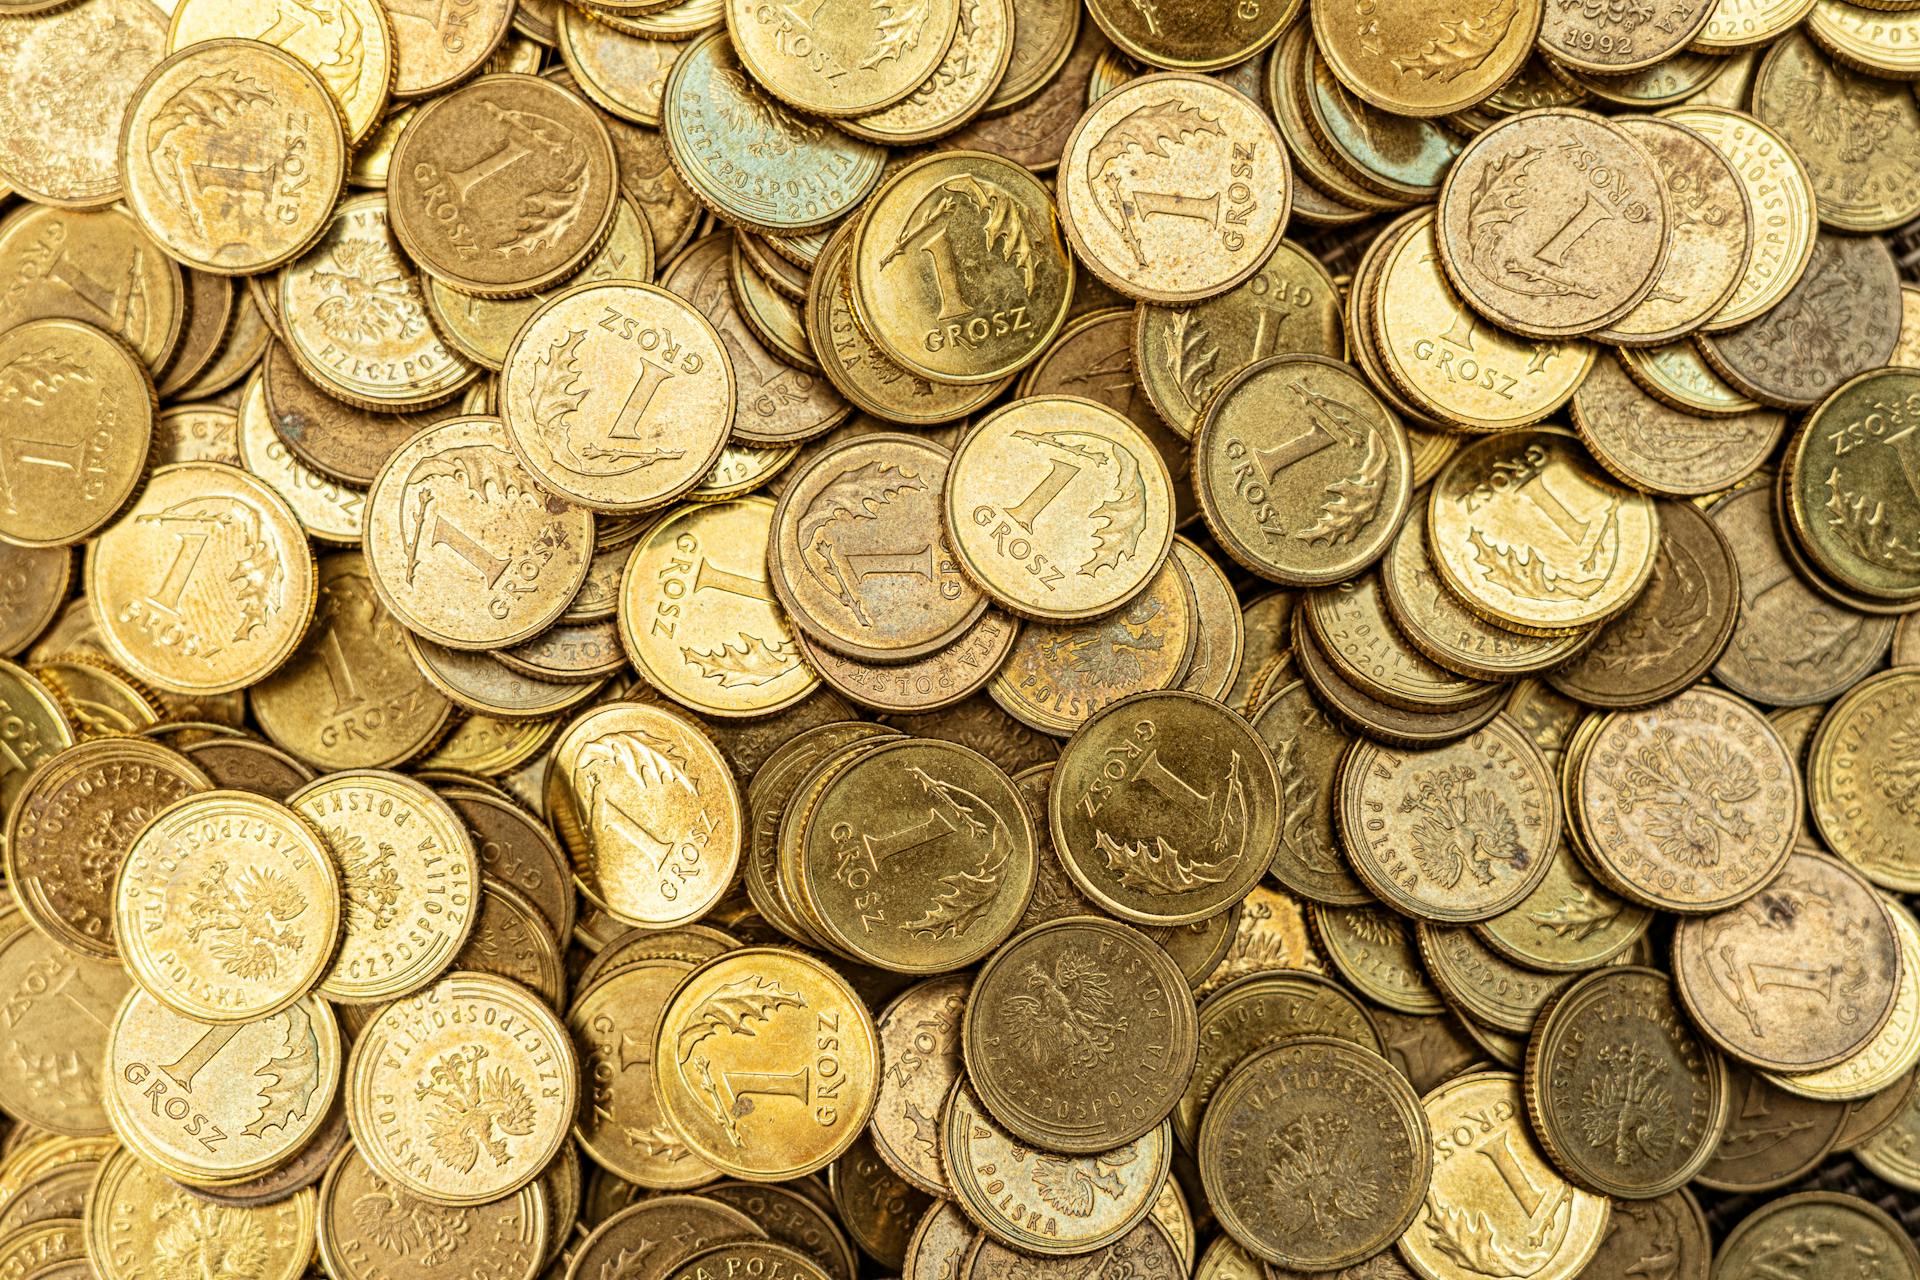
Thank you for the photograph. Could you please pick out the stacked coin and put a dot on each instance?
(959, 640)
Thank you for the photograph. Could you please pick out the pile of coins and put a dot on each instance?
(959, 640)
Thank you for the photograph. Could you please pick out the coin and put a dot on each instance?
(1858, 1228)
(473, 1065)
(56, 1041)
(1737, 25)
(846, 66)
(138, 1221)
(242, 764)
(1668, 1231)
(232, 153)
(1350, 624)
(1194, 36)
(1569, 923)
(782, 1034)
(1890, 1153)
(920, 1043)
(372, 1227)
(1653, 446)
(620, 73)
(803, 1221)
(1854, 192)
(1890, 1056)
(1857, 778)
(1174, 188)
(1146, 1252)
(1850, 522)
(878, 1208)
(435, 48)
(956, 90)
(352, 54)
(1423, 61)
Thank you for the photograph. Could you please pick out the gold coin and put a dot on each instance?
(243, 186)
(1840, 488)
(1043, 41)
(97, 697)
(621, 73)
(750, 159)
(351, 49)
(436, 46)
(465, 546)
(698, 618)
(1890, 1056)
(409, 881)
(1780, 196)
(55, 1040)
(1352, 626)
(1856, 770)
(1530, 535)
(1877, 43)
(71, 826)
(33, 588)
(218, 1104)
(1401, 158)
(1194, 35)
(422, 1062)
(1651, 445)
(353, 317)
(957, 269)
(227, 907)
(350, 697)
(1875, 191)
(1605, 45)
(970, 74)
(505, 186)
(769, 311)
(649, 808)
(501, 1240)
(618, 395)
(138, 1222)
(1174, 188)
(207, 584)
(851, 61)
(1058, 508)
(1420, 60)
(1304, 473)
(327, 512)
(79, 423)
(768, 1063)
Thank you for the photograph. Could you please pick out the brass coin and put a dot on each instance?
(769, 796)
(1736, 25)
(939, 1244)
(1568, 924)
(1013, 1192)
(1044, 88)
(1369, 717)
(1650, 445)
(1791, 647)
(1305, 473)
(1890, 1056)
(1403, 158)
(1744, 985)
(1678, 375)
(137, 1220)
(56, 1041)
(436, 47)
(956, 90)
(355, 321)
(620, 73)
(1877, 43)
(772, 1063)
(920, 1043)
(1174, 188)
(1307, 747)
(511, 939)
(1851, 522)
(1891, 1154)
(245, 764)
(409, 880)
(779, 172)
(1667, 1231)
(877, 1207)
(1412, 58)
(1599, 41)
(1456, 835)
(326, 511)
(352, 52)
(1854, 191)
(857, 61)
(1350, 624)
(1321, 1130)
(99, 268)
(747, 1257)
(1780, 197)
(1495, 998)
(426, 1068)
(1530, 535)
(1221, 637)
(1859, 1229)
(1553, 223)
(1108, 1073)
(1267, 621)
(465, 547)
(803, 1221)
(227, 907)
(1606, 1031)
(33, 587)
(233, 154)
(220, 1103)
(488, 687)
(71, 826)
(941, 679)
(1146, 1252)
(1856, 778)
(332, 437)
(1691, 805)
(1193, 36)
(370, 1227)
(1674, 631)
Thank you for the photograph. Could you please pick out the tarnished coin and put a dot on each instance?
(1174, 188)
(1496, 999)
(137, 1220)
(327, 512)
(1194, 36)
(1894, 1152)
(1856, 1229)
(1651, 445)
(1553, 223)
(956, 90)
(1754, 980)
(371, 1227)
(220, 1103)
(227, 907)
(327, 434)
(1856, 189)
(650, 809)
(618, 395)
(1844, 498)
(1568, 924)
(71, 826)
(1668, 1231)
(1350, 624)
(1457, 834)
(1691, 805)
(1316, 1154)
(848, 63)
(1890, 1056)
(233, 155)
(1859, 773)
(52, 1076)
(1165, 808)
(920, 1044)
(1307, 747)
(1532, 536)
(1146, 1252)
(1058, 508)
(802, 1219)
(957, 268)
(429, 1069)
(1304, 473)
(1031, 1200)
(1610, 1050)
(767, 1064)
(466, 548)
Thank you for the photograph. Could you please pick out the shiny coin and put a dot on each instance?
(137, 1219)
(1651, 445)
(849, 64)
(1857, 779)
(56, 1044)
(1853, 522)
(1413, 59)
(1854, 1225)
(361, 1236)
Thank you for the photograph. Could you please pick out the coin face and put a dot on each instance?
(464, 1092)
(650, 808)
(1667, 1229)
(465, 546)
(1840, 487)
(1306, 746)
(1647, 782)
(1651, 445)
(1886, 1059)
(1854, 191)
(591, 433)
(352, 53)
(1425, 61)
(1303, 473)
(1862, 1229)
(1350, 624)
(496, 1241)
(1044, 1040)
(1856, 779)
(1174, 188)
(768, 1063)
(160, 1221)
(1599, 42)
(1316, 1154)
(72, 825)
(263, 1086)
(844, 60)
(435, 48)
(233, 155)
(1744, 986)
(920, 1042)
(1165, 808)
(1568, 924)
(1611, 1027)
(506, 185)
(56, 1043)
(1193, 36)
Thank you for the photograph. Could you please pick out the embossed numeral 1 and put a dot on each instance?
(1498, 1149)
(797, 1085)
(20, 451)
(1589, 215)
(186, 557)
(1057, 478)
(1173, 204)
(1173, 788)
(235, 179)
(710, 577)
(503, 157)
(894, 843)
(446, 533)
(634, 411)
(346, 694)
(1328, 423)
(946, 270)
(202, 1051)
(1544, 500)
(805, 11)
